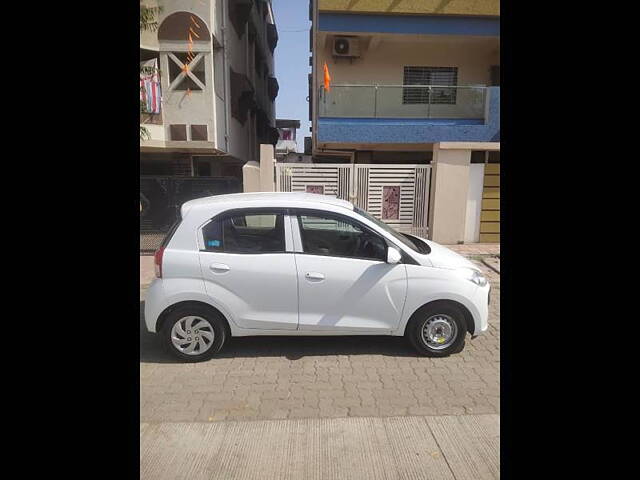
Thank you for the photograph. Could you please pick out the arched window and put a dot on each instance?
(179, 25)
(186, 68)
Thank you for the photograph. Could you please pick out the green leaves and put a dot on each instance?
(144, 133)
(148, 16)
(149, 70)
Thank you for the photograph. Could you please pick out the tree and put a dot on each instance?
(148, 22)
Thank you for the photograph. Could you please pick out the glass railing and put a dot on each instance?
(403, 101)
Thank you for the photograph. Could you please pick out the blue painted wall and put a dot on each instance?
(409, 24)
(413, 130)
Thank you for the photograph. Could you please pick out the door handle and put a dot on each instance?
(314, 276)
(219, 267)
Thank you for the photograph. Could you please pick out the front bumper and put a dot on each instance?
(481, 301)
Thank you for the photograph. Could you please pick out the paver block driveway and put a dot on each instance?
(321, 377)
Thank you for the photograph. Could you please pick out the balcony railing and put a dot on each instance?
(150, 118)
(403, 101)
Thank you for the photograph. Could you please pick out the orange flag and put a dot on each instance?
(327, 78)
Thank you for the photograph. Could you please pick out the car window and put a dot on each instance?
(406, 240)
(245, 233)
(321, 223)
(334, 235)
(255, 221)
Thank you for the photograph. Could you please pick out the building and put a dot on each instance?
(208, 88)
(412, 82)
(287, 141)
(287, 146)
(216, 87)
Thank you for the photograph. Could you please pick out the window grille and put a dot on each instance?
(414, 75)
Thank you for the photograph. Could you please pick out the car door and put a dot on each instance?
(249, 268)
(344, 282)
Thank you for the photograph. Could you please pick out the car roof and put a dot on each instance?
(263, 199)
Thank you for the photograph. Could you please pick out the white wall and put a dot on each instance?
(474, 203)
(384, 56)
(156, 133)
(201, 8)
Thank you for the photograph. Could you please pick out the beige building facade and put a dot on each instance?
(414, 82)
(217, 85)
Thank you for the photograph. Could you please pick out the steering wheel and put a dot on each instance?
(323, 247)
(370, 248)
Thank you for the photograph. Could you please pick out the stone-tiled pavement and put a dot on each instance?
(321, 377)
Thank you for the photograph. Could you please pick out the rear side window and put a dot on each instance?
(245, 233)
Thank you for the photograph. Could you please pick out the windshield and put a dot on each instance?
(399, 236)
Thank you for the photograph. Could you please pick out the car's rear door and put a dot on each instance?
(344, 282)
(249, 268)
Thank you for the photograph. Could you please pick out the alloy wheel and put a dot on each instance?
(192, 335)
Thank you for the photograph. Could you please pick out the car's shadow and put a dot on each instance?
(293, 348)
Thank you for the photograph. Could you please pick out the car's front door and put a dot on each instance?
(249, 268)
(344, 282)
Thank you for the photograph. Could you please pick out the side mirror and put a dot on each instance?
(393, 255)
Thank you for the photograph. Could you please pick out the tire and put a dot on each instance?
(199, 316)
(445, 317)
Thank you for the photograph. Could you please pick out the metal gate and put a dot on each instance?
(162, 197)
(396, 194)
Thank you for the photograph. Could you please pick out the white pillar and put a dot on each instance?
(448, 199)
(474, 203)
(259, 177)
(267, 163)
(251, 177)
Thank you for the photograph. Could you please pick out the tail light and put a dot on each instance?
(157, 260)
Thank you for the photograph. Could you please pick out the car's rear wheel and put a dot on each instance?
(194, 333)
(437, 330)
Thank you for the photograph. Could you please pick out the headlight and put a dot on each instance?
(474, 276)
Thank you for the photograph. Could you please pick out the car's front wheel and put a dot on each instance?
(194, 333)
(437, 330)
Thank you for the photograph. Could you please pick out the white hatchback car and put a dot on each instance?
(306, 264)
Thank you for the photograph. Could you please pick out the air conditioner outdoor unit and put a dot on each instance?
(346, 47)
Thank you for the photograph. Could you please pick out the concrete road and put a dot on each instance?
(439, 448)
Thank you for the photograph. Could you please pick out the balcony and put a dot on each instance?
(286, 146)
(408, 114)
